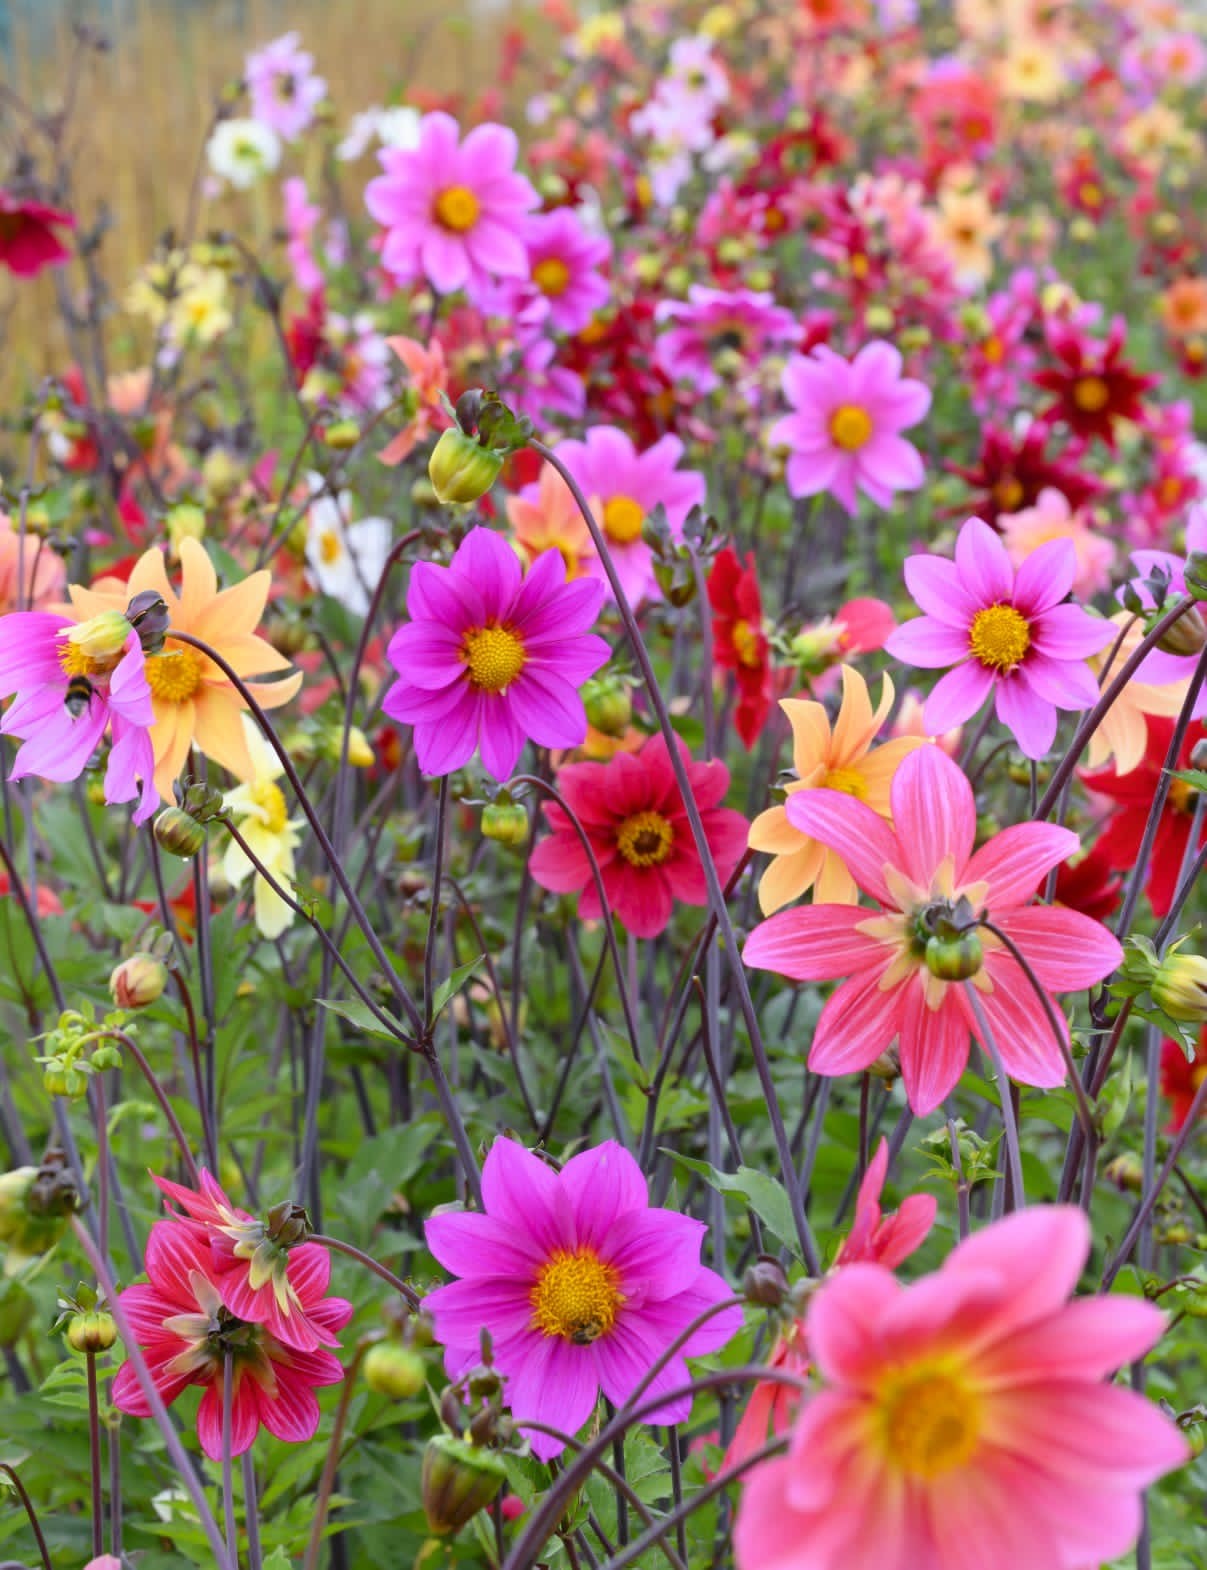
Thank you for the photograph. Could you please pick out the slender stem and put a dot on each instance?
(1018, 1196)
(130, 1046)
(207, 1128)
(228, 1481)
(31, 1513)
(367, 1260)
(429, 945)
(322, 1501)
(94, 1457)
(964, 1219)
(251, 1511)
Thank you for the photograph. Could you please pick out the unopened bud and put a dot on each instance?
(220, 474)
(342, 436)
(954, 957)
(506, 822)
(394, 1370)
(185, 521)
(458, 1481)
(765, 1283)
(1126, 1172)
(35, 1206)
(148, 614)
(178, 833)
(609, 705)
(1198, 755)
(360, 754)
(1188, 635)
(1195, 574)
(462, 470)
(102, 637)
(1179, 987)
(94, 1331)
(289, 1224)
(138, 981)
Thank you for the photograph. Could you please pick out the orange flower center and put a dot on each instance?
(174, 675)
(622, 519)
(551, 276)
(746, 644)
(1008, 492)
(851, 427)
(930, 1421)
(495, 657)
(999, 637)
(457, 209)
(74, 662)
(576, 1296)
(994, 350)
(645, 839)
(849, 781)
(1090, 394)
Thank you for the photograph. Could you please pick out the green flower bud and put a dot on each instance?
(101, 638)
(394, 1370)
(1126, 1172)
(1188, 635)
(94, 1331)
(462, 470)
(185, 521)
(609, 705)
(1179, 987)
(458, 1481)
(138, 981)
(35, 1206)
(955, 957)
(342, 435)
(506, 822)
(178, 833)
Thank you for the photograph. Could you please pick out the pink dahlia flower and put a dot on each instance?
(283, 86)
(844, 434)
(301, 218)
(262, 1278)
(581, 1284)
(491, 658)
(1007, 632)
(969, 1412)
(909, 964)
(629, 485)
(29, 240)
(632, 812)
(65, 700)
(564, 262)
(711, 322)
(185, 1331)
(454, 212)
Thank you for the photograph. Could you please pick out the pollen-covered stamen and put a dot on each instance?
(999, 637)
(746, 644)
(622, 519)
(577, 1296)
(551, 276)
(645, 839)
(930, 1421)
(851, 427)
(456, 209)
(174, 675)
(495, 657)
(1091, 394)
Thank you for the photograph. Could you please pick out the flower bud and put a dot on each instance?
(1126, 1172)
(954, 957)
(342, 435)
(609, 705)
(1188, 635)
(765, 1283)
(506, 822)
(289, 1224)
(185, 521)
(148, 614)
(138, 981)
(360, 753)
(178, 833)
(394, 1370)
(458, 1481)
(462, 470)
(35, 1204)
(101, 637)
(220, 474)
(1195, 574)
(1179, 987)
(93, 1331)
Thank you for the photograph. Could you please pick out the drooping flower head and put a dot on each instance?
(742, 324)
(581, 1284)
(564, 260)
(1007, 633)
(285, 90)
(971, 1407)
(838, 756)
(629, 485)
(454, 211)
(28, 238)
(908, 962)
(739, 641)
(72, 682)
(492, 658)
(186, 1330)
(844, 434)
(634, 817)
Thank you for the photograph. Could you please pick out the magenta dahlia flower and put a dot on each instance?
(625, 486)
(564, 260)
(969, 1417)
(1007, 632)
(907, 963)
(29, 238)
(185, 1330)
(70, 688)
(844, 434)
(581, 1285)
(490, 658)
(711, 322)
(454, 212)
(284, 89)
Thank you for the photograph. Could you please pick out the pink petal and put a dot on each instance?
(859, 836)
(1014, 861)
(812, 943)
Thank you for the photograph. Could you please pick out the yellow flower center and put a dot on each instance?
(851, 427)
(1008, 492)
(859, 265)
(930, 1422)
(1000, 637)
(746, 644)
(645, 839)
(271, 801)
(457, 208)
(330, 547)
(1090, 394)
(1198, 1075)
(622, 519)
(74, 662)
(576, 1296)
(174, 675)
(495, 656)
(551, 276)
(849, 781)
(994, 350)
(1090, 193)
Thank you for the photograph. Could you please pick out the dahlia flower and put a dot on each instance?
(285, 92)
(629, 485)
(739, 642)
(28, 241)
(581, 1284)
(908, 962)
(843, 435)
(1007, 633)
(492, 658)
(1181, 1078)
(1051, 518)
(564, 260)
(1092, 386)
(242, 152)
(454, 211)
(428, 376)
(633, 815)
(186, 1332)
(711, 322)
(31, 574)
(545, 517)
(971, 1408)
(344, 560)
(262, 818)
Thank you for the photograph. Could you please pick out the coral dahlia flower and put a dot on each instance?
(428, 377)
(545, 517)
(1006, 632)
(968, 1412)
(633, 815)
(454, 211)
(186, 1331)
(581, 1284)
(827, 757)
(739, 642)
(844, 434)
(194, 703)
(907, 963)
(28, 241)
(31, 574)
(492, 658)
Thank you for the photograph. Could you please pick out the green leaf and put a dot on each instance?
(767, 1198)
(359, 1014)
(452, 984)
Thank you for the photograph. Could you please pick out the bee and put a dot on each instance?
(587, 1331)
(79, 695)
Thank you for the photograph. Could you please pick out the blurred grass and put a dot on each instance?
(142, 110)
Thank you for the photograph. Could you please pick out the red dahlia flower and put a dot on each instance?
(739, 642)
(1092, 387)
(1181, 1078)
(1011, 472)
(28, 241)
